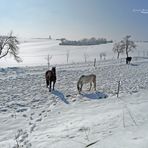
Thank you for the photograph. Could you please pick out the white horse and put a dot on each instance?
(86, 79)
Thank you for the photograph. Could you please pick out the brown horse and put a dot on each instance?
(50, 76)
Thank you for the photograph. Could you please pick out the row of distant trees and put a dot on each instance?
(9, 45)
(91, 41)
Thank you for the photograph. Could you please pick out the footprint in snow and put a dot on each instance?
(32, 128)
(39, 119)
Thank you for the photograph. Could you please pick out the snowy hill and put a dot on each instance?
(31, 116)
(34, 52)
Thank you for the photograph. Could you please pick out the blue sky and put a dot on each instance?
(75, 19)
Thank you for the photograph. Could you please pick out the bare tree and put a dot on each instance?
(9, 45)
(85, 57)
(49, 57)
(128, 44)
(102, 54)
(118, 48)
(95, 62)
(67, 55)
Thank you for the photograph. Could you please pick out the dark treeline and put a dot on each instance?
(91, 41)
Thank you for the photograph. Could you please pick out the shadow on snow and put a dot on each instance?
(60, 95)
(95, 95)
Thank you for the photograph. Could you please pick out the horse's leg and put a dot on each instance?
(95, 85)
(126, 61)
(94, 81)
(47, 83)
(81, 87)
(90, 86)
(50, 86)
(53, 84)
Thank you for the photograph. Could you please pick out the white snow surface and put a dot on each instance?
(34, 52)
(33, 117)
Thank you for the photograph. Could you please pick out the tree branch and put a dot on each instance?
(5, 53)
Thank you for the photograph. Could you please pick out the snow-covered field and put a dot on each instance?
(32, 117)
(35, 51)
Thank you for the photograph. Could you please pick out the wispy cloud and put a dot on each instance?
(142, 11)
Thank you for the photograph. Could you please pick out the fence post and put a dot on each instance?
(95, 62)
(118, 90)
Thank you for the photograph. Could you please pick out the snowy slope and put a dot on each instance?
(33, 117)
(34, 52)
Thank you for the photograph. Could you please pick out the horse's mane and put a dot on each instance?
(53, 70)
